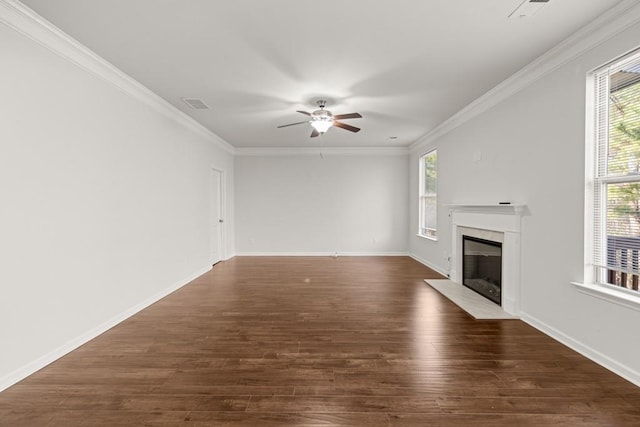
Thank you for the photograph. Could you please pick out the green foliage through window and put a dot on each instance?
(428, 194)
(617, 181)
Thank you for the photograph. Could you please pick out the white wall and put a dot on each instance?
(532, 150)
(306, 204)
(104, 204)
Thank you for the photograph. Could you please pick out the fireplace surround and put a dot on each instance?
(496, 223)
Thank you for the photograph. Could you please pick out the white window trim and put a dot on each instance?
(610, 293)
(590, 285)
(424, 236)
(421, 195)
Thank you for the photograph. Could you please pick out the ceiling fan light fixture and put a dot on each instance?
(322, 125)
(321, 120)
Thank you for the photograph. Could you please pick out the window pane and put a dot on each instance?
(623, 209)
(430, 173)
(624, 123)
(616, 192)
(428, 194)
(429, 215)
(623, 234)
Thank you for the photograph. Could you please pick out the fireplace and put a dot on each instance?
(496, 223)
(482, 267)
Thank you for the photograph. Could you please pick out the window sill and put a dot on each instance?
(610, 294)
(433, 239)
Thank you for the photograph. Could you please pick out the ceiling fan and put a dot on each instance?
(322, 120)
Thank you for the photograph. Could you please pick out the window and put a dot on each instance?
(615, 187)
(428, 190)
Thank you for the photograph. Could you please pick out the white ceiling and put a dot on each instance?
(405, 65)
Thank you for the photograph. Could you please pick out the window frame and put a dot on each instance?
(433, 235)
(595, 207)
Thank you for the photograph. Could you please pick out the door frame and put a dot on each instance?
(222, 203)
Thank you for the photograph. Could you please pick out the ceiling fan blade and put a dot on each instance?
(293, 124)
(303, 112)
(347, 116)
(315, 133)
(346, 127)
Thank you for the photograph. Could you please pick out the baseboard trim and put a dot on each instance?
(430, 265)
(601, 359)
(35, 365)
(319, 254)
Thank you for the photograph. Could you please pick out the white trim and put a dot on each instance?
(589, 174)
(432, 238)
(226, 215)
(223, 212)
(618, 179)
(430, 265)
(322, 151)
(511, 208)
(44, 360)
(28, 23)
(614, 21)
(618, 368)
(610, 294)
(320, 254)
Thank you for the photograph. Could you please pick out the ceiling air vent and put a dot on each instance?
(528, 8)
(195, 103)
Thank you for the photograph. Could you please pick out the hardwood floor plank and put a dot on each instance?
(102, 418)
(270, 419)
(526, 405)
(510, 420)
(350, 341)
(343, 404)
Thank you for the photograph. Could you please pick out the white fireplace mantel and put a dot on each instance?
(510, 208)
(498, 222)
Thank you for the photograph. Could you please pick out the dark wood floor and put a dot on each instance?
(319, 341)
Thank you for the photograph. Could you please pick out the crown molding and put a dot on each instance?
(22, 19)
(613, 22)
(322, 151)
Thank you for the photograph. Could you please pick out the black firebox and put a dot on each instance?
(482, 267)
